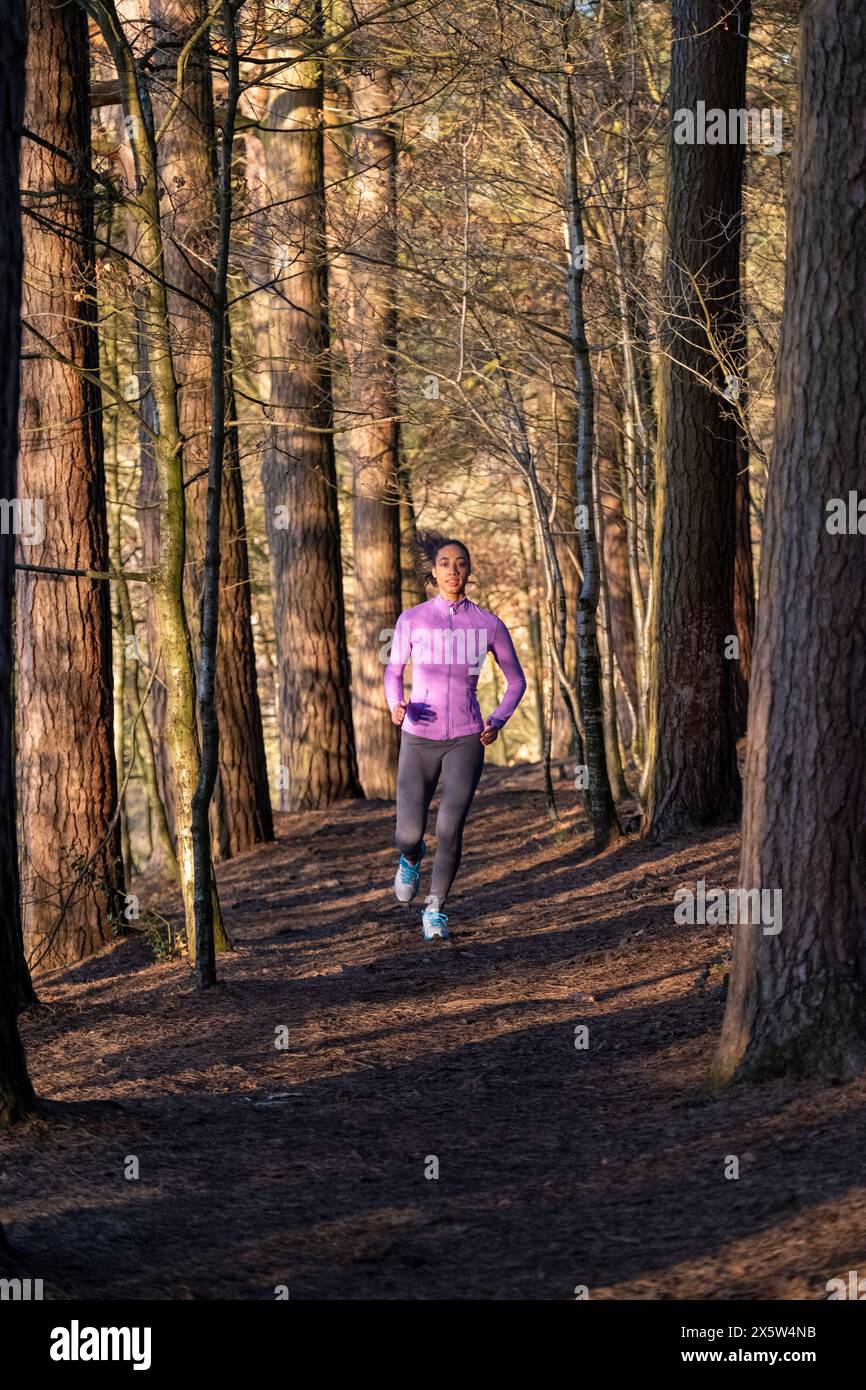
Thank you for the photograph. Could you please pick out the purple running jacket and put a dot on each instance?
(447, 644)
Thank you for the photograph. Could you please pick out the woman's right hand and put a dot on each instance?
(398, 713)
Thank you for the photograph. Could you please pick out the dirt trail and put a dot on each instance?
(305, 1166)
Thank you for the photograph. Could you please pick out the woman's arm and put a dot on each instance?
(506, 657)
(397, 664)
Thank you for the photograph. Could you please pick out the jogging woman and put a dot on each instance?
(442, 731)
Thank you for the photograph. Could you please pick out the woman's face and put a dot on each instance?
(451, 571)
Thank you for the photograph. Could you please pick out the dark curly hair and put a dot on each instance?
(427, 545)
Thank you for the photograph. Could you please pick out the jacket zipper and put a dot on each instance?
(448, 680)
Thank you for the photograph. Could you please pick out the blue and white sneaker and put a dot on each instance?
(434, 924)
(408, 876)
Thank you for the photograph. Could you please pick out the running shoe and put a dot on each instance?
(434, 924)
(408, 876)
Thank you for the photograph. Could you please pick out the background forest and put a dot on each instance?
(299, 281)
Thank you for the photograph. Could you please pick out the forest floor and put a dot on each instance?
(304, 1166)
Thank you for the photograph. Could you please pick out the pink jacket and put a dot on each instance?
(447, 644)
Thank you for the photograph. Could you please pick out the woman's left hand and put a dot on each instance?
(490, 732)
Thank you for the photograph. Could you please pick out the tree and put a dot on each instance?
(374, 436)
(70, 846)
(16, 1092)
(172, 637)
(317, 749)
(600, 807)
(796, 1000)
(692, 776)
(187, 174)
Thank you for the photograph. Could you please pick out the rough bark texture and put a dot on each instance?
(692, 778)
(171, 635)
(797, 998)
(147, 511)
(618, 584)
(317, 751)
(70, 857)
(744, 586)
(373, 444)
(242, 810)
(16, 1094)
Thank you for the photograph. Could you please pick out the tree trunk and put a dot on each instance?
(242, 810)
(317, 750)
(171, 635)
(373, 443)
(16, 1093)
(798, 996)
(744, 585)
(599, 802)
(70, 850)
(692, 778)
(615, 542)
(411, 587)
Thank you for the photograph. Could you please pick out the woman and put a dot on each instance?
(442, 729)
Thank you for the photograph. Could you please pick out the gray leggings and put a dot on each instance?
(461, 762)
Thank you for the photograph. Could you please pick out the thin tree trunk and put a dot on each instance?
(147, 512)
(71, 865)
(526, 541)
(132, 693)
(172, 631)
(797, 1000)
(16, 1092)
(692, 778)
(611, 737)
(744, 584)
(599, 800)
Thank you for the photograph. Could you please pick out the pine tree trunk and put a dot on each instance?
(744, 586)
(317, 750)
(70, 852)
(16, 1093)
(622, 623)
(241, 814)
(797, 1000)
(692, 778)
(373, 442)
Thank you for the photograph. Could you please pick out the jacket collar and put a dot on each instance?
(444, 604)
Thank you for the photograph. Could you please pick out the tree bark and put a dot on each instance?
(599, 802)
(373, 442)
(317, 749)
(16, 1092)
(71, 863)
(744, 585)
(242, 810)
(171, 636)
(692, 778)
(797, 999)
